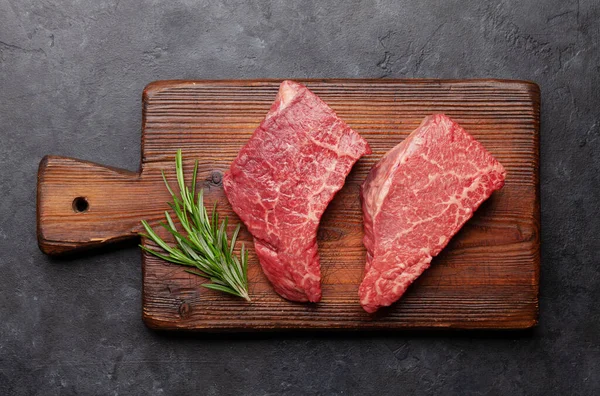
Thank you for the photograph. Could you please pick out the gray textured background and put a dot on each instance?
(71, 77)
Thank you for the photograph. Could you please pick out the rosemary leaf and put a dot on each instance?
(204, 245)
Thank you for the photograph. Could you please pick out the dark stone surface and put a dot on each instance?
(71, 77)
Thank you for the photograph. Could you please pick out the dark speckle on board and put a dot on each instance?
(216, 178)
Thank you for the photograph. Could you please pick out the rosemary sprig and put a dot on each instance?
(205, 246)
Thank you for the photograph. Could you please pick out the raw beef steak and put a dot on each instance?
(282, 181)
(415, 199)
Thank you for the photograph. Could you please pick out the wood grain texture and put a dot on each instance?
(487, 277)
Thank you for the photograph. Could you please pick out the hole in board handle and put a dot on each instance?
(80, 205)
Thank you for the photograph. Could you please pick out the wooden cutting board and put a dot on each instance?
(487, 277)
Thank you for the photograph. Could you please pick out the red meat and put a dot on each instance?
(415, 199)
(282, 181)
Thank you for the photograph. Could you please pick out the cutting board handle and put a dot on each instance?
(82, 205)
